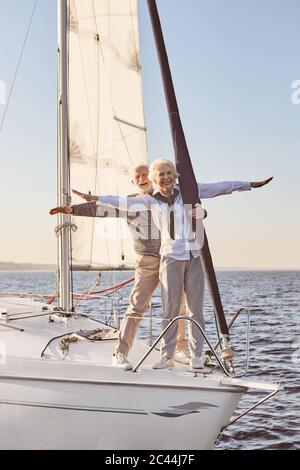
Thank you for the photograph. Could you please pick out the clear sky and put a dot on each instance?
(233, 64)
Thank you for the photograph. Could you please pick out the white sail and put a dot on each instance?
(107, 135)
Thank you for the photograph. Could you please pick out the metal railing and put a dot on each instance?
(251, 408)
(247, 359)
(212, 349)
(176, 319)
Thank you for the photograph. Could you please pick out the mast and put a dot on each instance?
(187, 180)
(63, 159)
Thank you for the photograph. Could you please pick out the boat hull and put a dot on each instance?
(37, 414)
(54, 398)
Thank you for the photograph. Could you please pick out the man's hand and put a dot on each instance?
(197, 212)
(86, 197)
(62, 210)
(259, 184)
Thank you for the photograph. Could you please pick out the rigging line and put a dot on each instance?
(129, 135)
(85, 85)
(123, 137)
(139, 64)
(119, 222)
(99, 48)
(98, 121)
(89, 114)
(119, 124)
(18, 64)
(138, 59)
(107, 15)
(114, 113)
(119, 121)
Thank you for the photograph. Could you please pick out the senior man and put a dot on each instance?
(146, 238)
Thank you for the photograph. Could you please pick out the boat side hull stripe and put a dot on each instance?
(236, 389)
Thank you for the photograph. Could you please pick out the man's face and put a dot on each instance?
(140, 179)
(165, 179)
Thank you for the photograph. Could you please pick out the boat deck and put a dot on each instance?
(36, 351)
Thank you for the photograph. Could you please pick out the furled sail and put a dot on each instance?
(187, 180)
(107, 135)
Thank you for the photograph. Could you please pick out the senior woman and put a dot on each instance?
(180, 251)
(180, 264)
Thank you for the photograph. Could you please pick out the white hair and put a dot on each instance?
(157, 164)
(139, 165)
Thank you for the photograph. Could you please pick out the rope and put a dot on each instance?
(118, 286)
(18, 65)
(59, 228)
(90, 289)
(88, 295)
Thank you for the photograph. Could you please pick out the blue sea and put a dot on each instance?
(273, 298)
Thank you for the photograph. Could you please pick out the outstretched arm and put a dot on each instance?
(227, 187)
(127, 204)
(209, 190)
(89, 209)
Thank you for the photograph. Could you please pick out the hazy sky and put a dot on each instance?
(233, 63)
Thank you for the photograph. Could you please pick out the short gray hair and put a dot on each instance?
(156, 164)
(139, 165)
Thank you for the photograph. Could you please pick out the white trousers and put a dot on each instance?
(176, 275)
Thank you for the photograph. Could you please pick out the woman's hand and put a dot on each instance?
(61, 210)
(259, 184)
(197, 212)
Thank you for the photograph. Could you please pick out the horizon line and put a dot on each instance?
(52, 267)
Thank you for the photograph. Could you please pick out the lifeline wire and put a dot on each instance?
(18, 65)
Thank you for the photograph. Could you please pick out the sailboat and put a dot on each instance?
(58, 389)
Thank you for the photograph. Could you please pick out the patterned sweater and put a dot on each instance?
(145, 234)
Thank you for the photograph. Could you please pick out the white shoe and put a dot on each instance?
(119, 360)
(198, 363)
(163, 363)
(182, 356)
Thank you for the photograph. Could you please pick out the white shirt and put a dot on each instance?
(185, 244)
